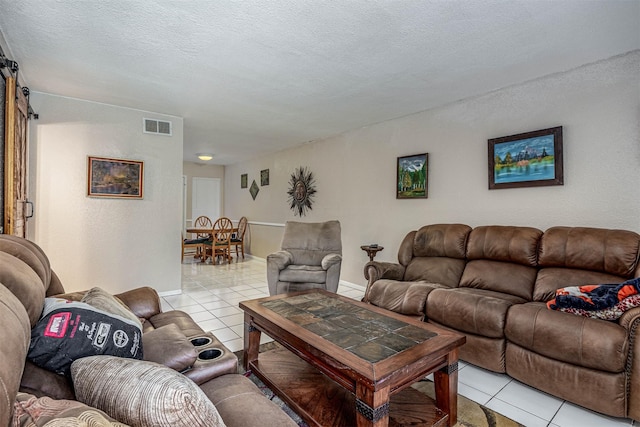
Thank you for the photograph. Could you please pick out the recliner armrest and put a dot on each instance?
(329, 260)
(281, 259)
(376, 270)
(144, 302)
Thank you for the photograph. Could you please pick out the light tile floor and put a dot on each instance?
(211, 293)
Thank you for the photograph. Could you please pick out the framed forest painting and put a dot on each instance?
(412, 176)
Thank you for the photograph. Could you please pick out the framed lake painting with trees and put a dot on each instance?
(412, 177)
(531, 159)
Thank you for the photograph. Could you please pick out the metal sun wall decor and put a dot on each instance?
(301, 191)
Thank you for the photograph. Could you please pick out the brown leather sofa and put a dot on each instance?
(26, 278)
(491, 284)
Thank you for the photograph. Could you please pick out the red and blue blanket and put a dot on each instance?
(594, 297)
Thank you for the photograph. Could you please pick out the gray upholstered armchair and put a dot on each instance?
(311, 257)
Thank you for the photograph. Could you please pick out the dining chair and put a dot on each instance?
(221, 242)
(203, 222)
(188, 244)
(237, 239)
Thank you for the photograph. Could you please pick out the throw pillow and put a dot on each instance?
(69, 330)
(29, 411)
(103, 300)
(168, 346)
(141, 393)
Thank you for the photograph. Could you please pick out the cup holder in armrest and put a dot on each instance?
(213, 360)
(209, 354)
(200, 341)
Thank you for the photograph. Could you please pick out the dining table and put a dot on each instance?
(210, 232)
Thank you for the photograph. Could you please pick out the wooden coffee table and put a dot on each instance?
(347, 363)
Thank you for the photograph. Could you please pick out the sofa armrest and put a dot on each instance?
(144, 302)
(630, 320)
(329, 260)
(376, 270)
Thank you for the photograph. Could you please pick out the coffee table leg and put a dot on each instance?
(446, 387)
(372, 408)
(251, 342)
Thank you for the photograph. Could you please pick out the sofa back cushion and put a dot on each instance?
(437, 254)
(16, 332)
(575, 256)
(502, 259)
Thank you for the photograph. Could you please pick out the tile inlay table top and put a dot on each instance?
(345, 362)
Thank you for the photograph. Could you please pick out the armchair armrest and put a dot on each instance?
(329, 260)
(280, 259)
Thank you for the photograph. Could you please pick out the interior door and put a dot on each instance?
(15, 160)
(205, 198)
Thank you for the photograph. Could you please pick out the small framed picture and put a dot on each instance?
(264, 177)
(412, 176)
(243, 180)
(116, 178)
(530, 159)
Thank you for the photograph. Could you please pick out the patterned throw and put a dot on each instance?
(606, 301)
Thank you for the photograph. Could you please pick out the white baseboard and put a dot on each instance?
(169, 293)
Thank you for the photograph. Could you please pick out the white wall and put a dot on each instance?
(117, 244)
(598, 105)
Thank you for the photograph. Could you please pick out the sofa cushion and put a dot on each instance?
(103, 300)
(24, 283)
(169, 347)
(303, 273)
(503, 277)
(591, 343)
(609, 251)
(142, 393)
(13, 349)
(446, 271)
(241, 403)
(69, 330)
(550, 279)
(407, 298)
(475, 311)
(30, 411)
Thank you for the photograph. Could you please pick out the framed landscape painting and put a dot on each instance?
(530, 159)
(411, 178)
(114, 178)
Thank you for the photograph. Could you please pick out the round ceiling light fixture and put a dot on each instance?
(205, 156)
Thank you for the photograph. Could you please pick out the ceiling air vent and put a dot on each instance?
(158, 127)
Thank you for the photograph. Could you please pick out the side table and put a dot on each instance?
(371, 250)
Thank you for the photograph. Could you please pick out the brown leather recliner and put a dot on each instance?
(26, 278)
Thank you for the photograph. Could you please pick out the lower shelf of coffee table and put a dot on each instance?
(322, 402)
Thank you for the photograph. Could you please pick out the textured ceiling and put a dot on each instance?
(253, 77)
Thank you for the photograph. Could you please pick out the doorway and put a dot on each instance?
(205, 198)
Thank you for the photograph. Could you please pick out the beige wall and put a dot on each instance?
(191, 170)
(117, 244)
(598, 105)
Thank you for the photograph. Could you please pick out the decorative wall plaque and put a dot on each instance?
(301, 191)
(254, 189)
